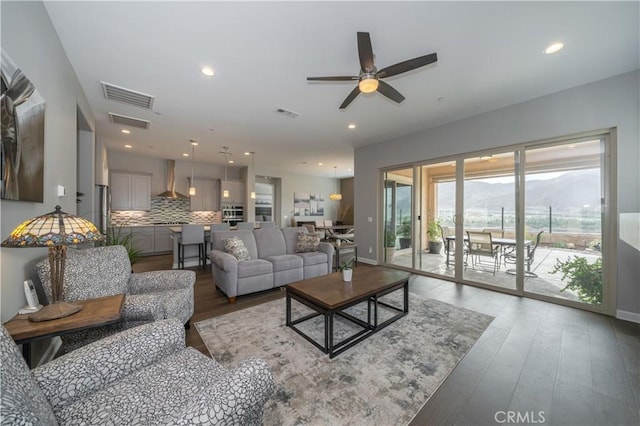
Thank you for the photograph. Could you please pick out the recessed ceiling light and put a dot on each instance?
(125, 131)
(231, 161)
(128, 146)
(184, 154)
(351, 126)
(208, 71)
(554, 47)
(193, 142)
(320, 164)
(247, 153)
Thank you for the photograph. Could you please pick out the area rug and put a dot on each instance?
(383, 380)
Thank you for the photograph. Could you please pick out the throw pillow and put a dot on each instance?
(307, 242)
(235, 247)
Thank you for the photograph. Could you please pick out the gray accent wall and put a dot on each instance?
(609, 103)
(29, 38)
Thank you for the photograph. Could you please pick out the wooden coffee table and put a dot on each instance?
(329, 296)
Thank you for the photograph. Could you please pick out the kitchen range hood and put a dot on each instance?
(171, 182)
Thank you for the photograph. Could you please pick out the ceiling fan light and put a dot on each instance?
(368, 85)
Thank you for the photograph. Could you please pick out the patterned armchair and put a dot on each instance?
(105, 271)
(143, 376)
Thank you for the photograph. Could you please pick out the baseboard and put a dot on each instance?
(51, 351)
(367, 261)
(628, 316)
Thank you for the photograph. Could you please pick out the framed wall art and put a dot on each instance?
(22, 129)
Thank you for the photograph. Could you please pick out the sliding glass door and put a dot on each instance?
(564, 210)
(529, 221)
(399, 217)
(489, 218)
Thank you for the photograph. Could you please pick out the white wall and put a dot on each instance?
(30, 40)
(604, 104)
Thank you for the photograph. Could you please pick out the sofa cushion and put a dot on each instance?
(285, 262)
(235, 247)
(270, 242)
(246, 237)
(165, 387)
(23, 402)
(291, 237)
(253, 267)
(90, 273)
(313, 258)
(307, 242)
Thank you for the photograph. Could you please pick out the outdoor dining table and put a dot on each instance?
(502, 242)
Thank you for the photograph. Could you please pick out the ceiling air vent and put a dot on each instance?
(129, 121)
(131, 97)
(287, 113)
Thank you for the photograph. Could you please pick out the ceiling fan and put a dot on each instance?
(369, 77)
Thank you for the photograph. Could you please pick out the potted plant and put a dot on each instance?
(389, 244)
(582, 277)
(347, 270)
(404, 234)
(433, 234)
(115, 236)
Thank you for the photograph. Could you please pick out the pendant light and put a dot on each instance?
(226, 153)
(253, 170)
(192, 188)
(336, 196)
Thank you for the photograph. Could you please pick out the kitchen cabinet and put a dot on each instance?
(207, 196)
(143, 239)
(130, 191)
(236, 192)
(162, 241)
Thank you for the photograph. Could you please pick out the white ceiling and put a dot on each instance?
(490, 55)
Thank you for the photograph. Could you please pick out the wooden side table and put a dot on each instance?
(345, 247)
(95, 313)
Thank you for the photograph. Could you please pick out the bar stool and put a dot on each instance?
(191, 235)
(245, 225)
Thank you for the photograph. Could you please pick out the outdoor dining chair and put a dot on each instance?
(480, 245)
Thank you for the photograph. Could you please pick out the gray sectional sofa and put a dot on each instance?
(273, 261)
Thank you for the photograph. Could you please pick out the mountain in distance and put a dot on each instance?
(570, 192)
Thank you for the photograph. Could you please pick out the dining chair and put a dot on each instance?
(450, 248)
(480, 245)
(510, 256)
(191, 235)
(496, 233)
(319, 225)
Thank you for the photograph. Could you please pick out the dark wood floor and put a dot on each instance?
(537, 363)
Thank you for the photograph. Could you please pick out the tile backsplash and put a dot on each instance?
(164, 210)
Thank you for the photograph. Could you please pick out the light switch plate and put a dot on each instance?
(62, 191)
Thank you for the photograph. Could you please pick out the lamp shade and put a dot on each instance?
(56, 228)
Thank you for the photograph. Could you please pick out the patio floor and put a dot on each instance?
(545, 283)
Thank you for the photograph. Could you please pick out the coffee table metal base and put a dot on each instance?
(369, 327)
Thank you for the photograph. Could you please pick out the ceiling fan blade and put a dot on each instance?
(389, 92)
(409, 65)
(355, 92)
(335, 78)
(365, 52)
